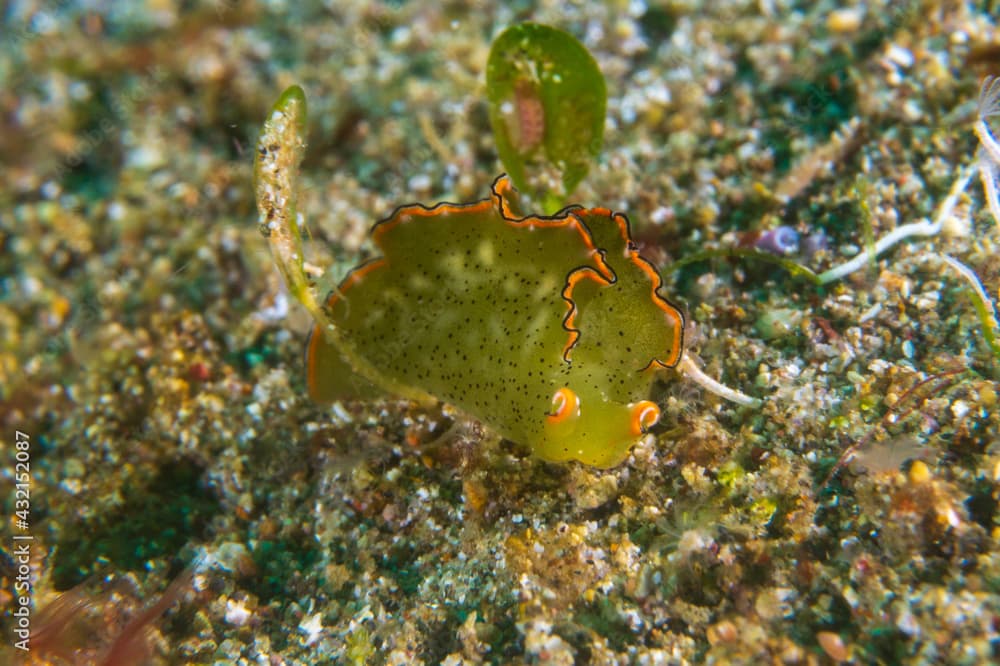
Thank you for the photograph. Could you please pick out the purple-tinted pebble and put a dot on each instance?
(782, 240)
(815, 243)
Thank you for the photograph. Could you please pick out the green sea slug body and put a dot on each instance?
(548, 329)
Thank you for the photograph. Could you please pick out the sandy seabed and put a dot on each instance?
(151, 363)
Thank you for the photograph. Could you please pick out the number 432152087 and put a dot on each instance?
(22, 476)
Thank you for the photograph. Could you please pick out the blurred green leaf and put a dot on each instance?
(547, 104)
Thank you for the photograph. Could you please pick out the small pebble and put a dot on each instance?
(843, 21)
(833, 645)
